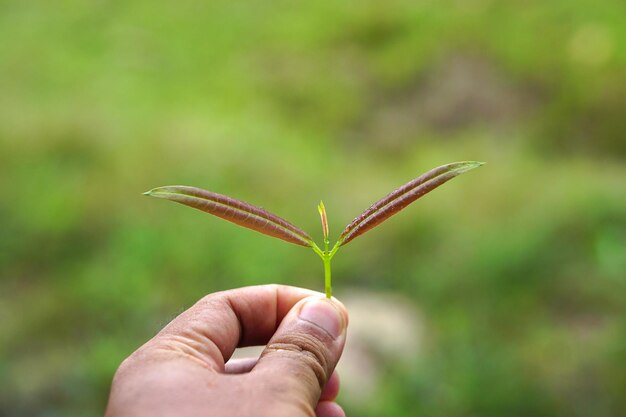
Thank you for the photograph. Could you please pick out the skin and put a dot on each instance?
(185, 369)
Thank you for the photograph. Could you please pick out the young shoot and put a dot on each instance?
(256, 218)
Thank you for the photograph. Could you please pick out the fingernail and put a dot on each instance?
(323, 314)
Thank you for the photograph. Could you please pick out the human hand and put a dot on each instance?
(185, 369)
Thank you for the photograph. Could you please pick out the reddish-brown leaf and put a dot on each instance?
(233, 210)
(402, 197)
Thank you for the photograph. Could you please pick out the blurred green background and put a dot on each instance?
(517, 269)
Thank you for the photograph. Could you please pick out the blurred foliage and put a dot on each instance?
(518, 267)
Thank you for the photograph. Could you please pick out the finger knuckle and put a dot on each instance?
(308, 355)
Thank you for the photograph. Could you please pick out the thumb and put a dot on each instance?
(305, 349)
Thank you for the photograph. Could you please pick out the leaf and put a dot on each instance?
(324, 219)
(235, 211)
(402, 197)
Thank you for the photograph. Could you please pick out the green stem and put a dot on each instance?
(327, 282)
(326, 255)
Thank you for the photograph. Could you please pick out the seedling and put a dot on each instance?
(256, 218)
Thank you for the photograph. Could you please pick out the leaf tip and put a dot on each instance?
(320, 207)
(474, 164)
(469, 165)
(160, 192)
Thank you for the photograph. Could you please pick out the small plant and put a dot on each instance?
(256, 218)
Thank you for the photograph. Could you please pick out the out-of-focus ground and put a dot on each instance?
(502, 293)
